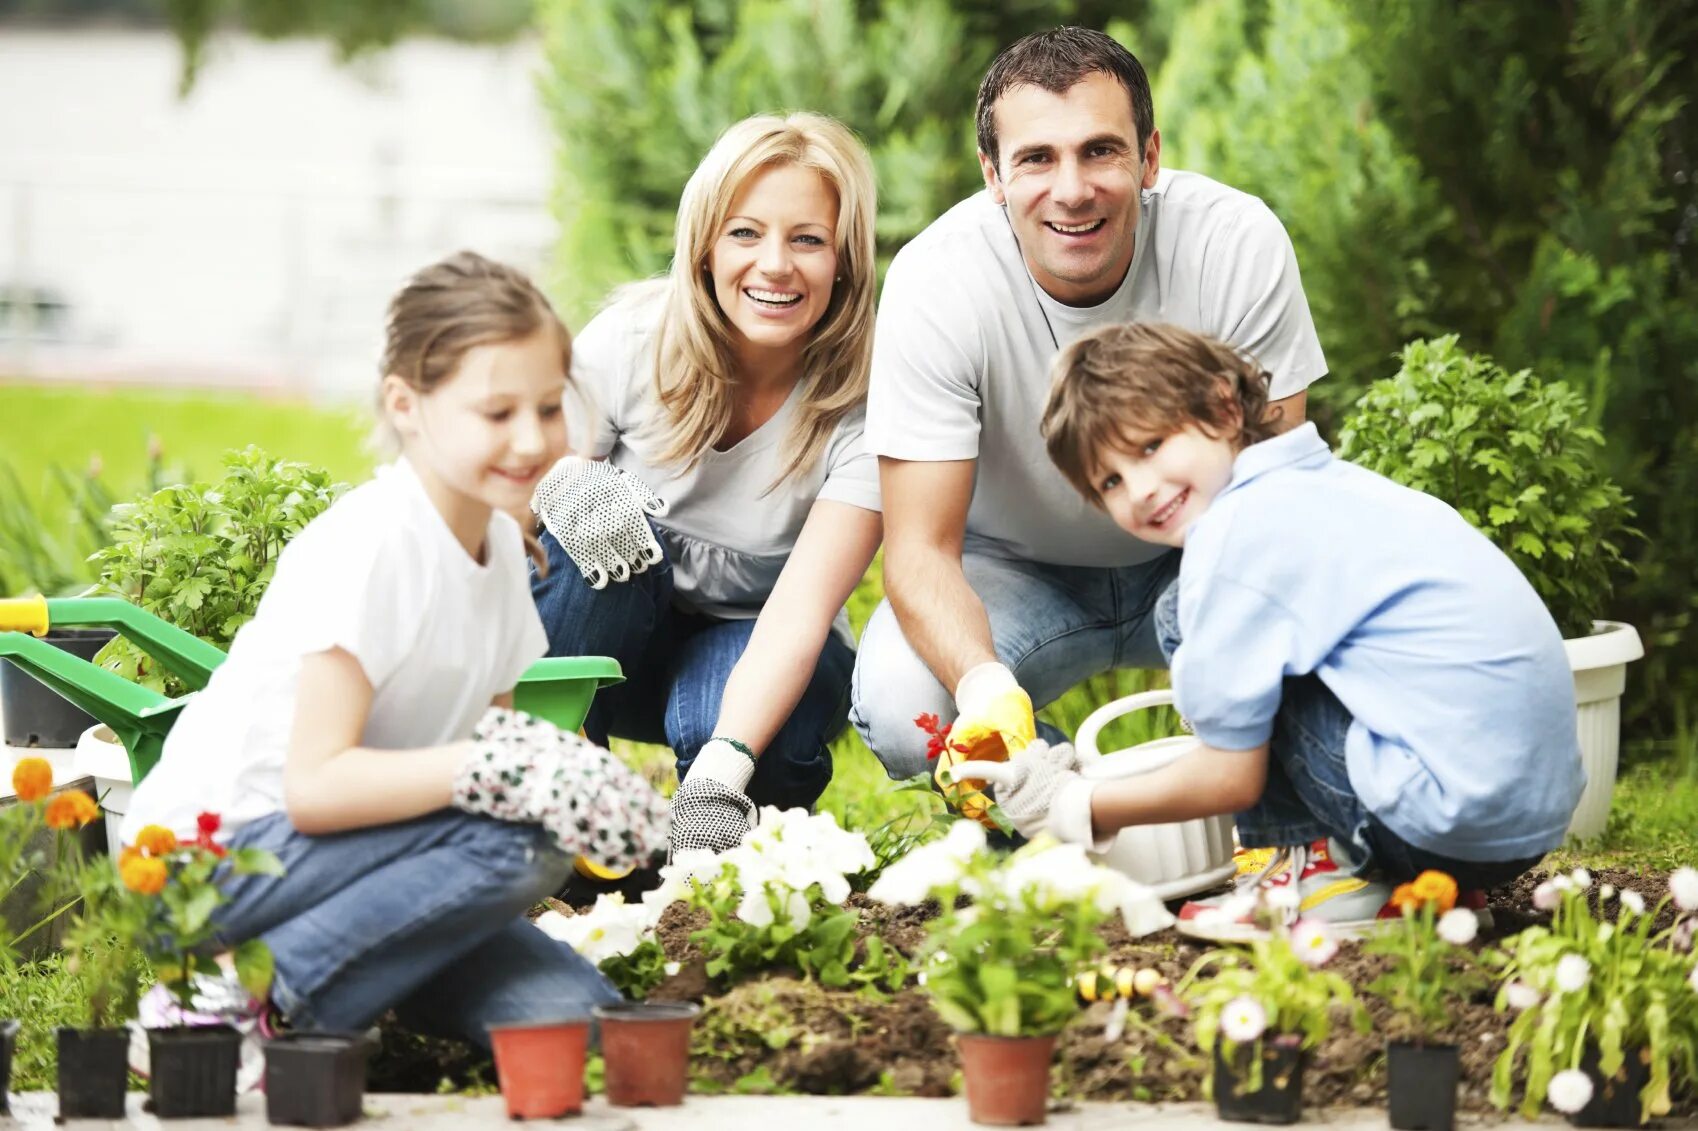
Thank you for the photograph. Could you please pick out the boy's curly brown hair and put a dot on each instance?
(1122, 381)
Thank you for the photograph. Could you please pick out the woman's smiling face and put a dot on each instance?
(775, 257)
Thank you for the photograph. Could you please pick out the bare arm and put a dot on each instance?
(925, 521)
(835, 547)
(330, 784)
(1202, 783)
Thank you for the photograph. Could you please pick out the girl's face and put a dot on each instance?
(1156, 486)
(774, 260)
(490, 431)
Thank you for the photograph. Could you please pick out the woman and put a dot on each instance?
(733, 388)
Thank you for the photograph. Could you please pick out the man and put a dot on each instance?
(1004, 588)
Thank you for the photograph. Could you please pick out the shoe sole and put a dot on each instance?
(1250, 932)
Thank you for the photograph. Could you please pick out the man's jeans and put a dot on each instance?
(1054, 626)
(1308, 793)
(676, 667)
(425, 916)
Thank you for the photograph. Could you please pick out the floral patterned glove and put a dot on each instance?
(590, 803)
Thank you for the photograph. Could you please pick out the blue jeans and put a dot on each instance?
(425, 917)
(1054, 626)
(676, 665)
(1308, 793)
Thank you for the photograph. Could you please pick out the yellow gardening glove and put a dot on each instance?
(994, 722)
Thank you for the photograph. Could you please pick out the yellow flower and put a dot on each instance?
(143, 875)
(1435, 888)
(32, 779)
(1404, 899)
(156, 840)
(71, 810)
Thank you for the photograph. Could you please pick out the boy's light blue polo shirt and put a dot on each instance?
(1464, 739)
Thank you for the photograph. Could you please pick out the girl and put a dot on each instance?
(734, 387)
(359, 729)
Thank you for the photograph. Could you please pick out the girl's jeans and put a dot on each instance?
(676, 666)
(425, 917)
(1308, 793)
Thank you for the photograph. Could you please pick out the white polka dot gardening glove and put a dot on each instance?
(711, 809)
(1041, 790)
(600, 516)
(591, 804)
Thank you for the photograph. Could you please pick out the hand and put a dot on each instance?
(590, 803)
(1041, 790)
(600, 516)
(711, 809)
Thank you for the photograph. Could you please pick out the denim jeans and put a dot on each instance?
(425, 917)
(676, 665)
(1308, 793)
(1054, 626)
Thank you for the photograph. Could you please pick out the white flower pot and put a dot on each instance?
(102, 757)
(1175, 859)
(1600, 674)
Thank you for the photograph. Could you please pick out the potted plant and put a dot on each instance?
(104, 964)
(32, 781)
(192, 1068)
(1429, 968)
(1607, 1008)
(1000, 957)
(1516, 457)
(1259, 1011)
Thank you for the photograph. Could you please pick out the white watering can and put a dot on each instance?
(1173, 860)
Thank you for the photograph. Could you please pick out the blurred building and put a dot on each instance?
(251, 233)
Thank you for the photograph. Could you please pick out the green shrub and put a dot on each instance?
(1514, 456)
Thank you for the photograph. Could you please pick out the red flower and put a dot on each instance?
(208, 823)
(939, 740)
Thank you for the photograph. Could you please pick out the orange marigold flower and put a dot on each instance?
(32, 779)
(126, 854)
(1435, 888)
(1404, 899)
(71, 810)
(143, 874)
(156, 840)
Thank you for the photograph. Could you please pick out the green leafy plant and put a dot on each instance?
(1588, 982)
(637, 972)
(201, 555)
(1429, 967)
(1515, 456)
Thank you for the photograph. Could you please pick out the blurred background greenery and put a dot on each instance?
(1520, 173)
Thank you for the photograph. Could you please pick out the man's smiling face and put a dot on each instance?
(1071, 173)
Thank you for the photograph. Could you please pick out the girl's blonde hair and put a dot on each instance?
(695, 365)
(450, 308)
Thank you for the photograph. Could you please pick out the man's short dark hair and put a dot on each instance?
(1056, 60)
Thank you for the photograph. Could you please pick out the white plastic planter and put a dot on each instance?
(1600, 675)
(1173, 860)
(102, 757)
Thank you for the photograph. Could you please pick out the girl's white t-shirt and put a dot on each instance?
(380, 575)
(727, 530)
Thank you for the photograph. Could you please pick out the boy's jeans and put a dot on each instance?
(1308, 793)
(425, 916)
(676, 667)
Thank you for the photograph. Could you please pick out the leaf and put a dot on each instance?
(255, 967)
(255, 862)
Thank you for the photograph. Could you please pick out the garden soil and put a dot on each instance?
(786, 1034)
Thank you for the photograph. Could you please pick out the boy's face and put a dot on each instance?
(1156, 486)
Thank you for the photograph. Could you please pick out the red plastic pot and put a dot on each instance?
(540, 1065)
(647, 1049)
(1007, 1078)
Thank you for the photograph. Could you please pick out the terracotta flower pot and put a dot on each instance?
(647, 1049)
(540, 1065)
(1421, 1086)
(1615, 1099)
(1007, 1078)
(1279, 1099)
(94, 1073)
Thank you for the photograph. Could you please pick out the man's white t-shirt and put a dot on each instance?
(727, 530)
(380, 575)
(966, 336)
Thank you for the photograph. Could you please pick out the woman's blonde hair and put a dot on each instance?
(695, 365)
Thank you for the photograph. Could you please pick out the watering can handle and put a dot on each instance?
(24, 614)
(1085, 741)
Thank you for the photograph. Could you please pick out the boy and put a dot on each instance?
(1375, 687)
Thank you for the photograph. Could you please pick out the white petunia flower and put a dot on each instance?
(1582, 878)
(1683, 885)
(1632, 901)
(912, 879)
(1571, 973)
(1313, 943)
(1569, 1091)
(609, 928)
(1458, 926)
(1521, 996)
(799, 910)
(671, 969)
(1243, 1019)
(1546, 896)
(755, 909)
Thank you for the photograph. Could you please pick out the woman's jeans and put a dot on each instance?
(426, 917)
(1308, 793)
(676, 667)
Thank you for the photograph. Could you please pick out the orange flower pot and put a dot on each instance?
(647, 1049)
(540, 1065)
(1007, 1078)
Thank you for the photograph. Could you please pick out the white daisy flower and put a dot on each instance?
(1243, 1019)
(1683, 885)
(1632, 901)
(1582, 878)
(1606, 892)
(1571, 973)
(1286, 897)
(1570, 1090)
(1458, 926)
(1521, 996)
(1313, 943)
(1547, 895)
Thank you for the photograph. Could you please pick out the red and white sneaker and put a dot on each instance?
(1316, 881)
